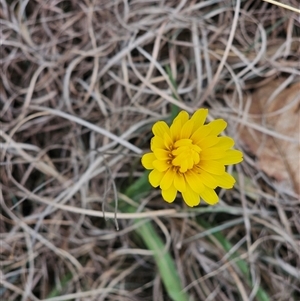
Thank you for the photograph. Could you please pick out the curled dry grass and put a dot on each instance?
(81, 84)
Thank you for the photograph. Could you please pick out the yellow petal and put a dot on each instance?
(183, 116)
(225, 142)
(225, 181)
(195, 158)
(179, 160)
(231, 156)
(212, 153)
(208, 141)
(161, 154)
(177, 125)
(217, 126)
(194, 181)
(167, 180)
(175, 130)
(208, 179)
(190, 197)
(159, 128)
(157, 142)
(183, 142)
(169, 195)
(209, 196)
(199, 118)
(155, 177)
(147, 160)
(200, 133)
(183, 166)
(214, 167)
(186, 130)
(161, 165)
(179, 182)
(168, 142)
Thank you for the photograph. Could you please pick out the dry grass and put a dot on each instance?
(81, 84)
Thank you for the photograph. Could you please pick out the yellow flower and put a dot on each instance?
(190, 157)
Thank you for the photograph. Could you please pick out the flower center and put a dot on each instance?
(185, 154)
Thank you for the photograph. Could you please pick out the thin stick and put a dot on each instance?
(148, 214)
(283, 5)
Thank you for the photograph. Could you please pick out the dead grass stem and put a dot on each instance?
(81, 84)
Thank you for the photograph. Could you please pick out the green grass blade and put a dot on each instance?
(174, 108)
(261, 294)
(164, 261)
(55, 292)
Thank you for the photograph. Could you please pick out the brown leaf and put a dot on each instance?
(278, 158)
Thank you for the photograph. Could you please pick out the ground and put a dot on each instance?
(82, 83)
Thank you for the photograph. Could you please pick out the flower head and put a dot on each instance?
(190, 157)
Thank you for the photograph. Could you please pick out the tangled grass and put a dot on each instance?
(81, 84)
